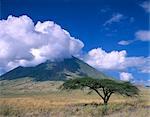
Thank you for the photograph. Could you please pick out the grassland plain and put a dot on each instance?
(25, 98)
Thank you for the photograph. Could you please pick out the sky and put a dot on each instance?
(110, 35)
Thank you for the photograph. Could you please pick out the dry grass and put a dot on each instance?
(73, 104)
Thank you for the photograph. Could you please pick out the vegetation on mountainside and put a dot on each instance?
(54, 71)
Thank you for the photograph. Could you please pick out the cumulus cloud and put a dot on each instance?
(143, 35)
(146, 6)
(125, 76)
(24, 43)
(100, 59)
(115, 18)
(114, 60)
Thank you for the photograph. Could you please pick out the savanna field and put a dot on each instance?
(26, 98)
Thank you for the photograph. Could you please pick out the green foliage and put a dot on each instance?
(108, 87)
(123, 88)
(80, 83)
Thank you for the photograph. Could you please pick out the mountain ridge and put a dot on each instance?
(54, 71)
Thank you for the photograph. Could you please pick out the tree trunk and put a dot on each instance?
(104, 110)
(105, 101)
(107, 97)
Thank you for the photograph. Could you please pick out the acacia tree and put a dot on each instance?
(103, 87)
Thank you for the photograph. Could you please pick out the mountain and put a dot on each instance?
(54, 71)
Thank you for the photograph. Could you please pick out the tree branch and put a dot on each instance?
(98, 93)
(104, 91)
(109, 95)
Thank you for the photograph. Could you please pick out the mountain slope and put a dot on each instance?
(54, 71)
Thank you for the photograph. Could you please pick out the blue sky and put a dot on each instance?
(97, 23)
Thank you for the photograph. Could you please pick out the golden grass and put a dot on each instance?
(77, 103)
(56, 100)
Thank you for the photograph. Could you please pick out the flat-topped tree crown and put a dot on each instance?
(107, 86)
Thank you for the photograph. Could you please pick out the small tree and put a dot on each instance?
(103, 87)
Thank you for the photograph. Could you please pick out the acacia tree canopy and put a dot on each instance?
(103, 87)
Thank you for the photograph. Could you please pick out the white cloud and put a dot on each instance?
(146, 6)
(125, 76)
(141, 82)
(100, 59)
(123, 42)
(114, 60)
(26, 44)
(143, 35)
(23, 43)
(115, 18)
(146, 68)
